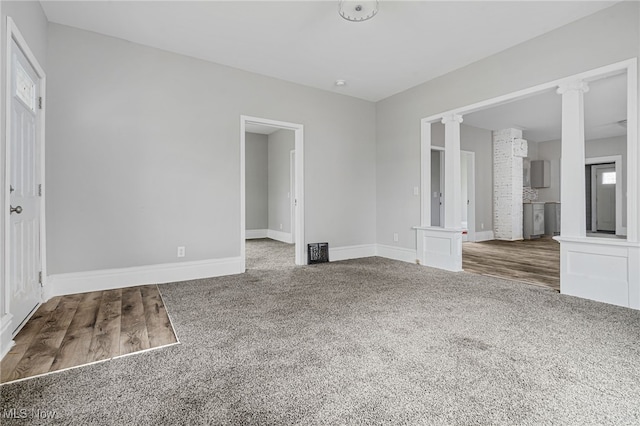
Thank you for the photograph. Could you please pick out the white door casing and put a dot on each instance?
(618, 164)
(24, 169)
(297, 229)
(604, 197)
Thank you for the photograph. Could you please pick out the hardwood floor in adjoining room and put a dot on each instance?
(532, 261)
(69, 331)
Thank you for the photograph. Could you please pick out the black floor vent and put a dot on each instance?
(318, 252)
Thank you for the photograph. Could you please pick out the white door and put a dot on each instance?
(24, 179)
(605, 199)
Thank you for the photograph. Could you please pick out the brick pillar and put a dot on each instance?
(509, 149)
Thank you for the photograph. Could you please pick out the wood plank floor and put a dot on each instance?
(532, 261)
(69, 331)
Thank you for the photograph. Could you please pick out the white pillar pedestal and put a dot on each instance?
(602, 269)
(439, 247)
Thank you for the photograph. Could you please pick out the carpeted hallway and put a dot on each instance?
(366, 341)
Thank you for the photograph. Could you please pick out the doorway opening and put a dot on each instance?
(604, 182)
(272, 193)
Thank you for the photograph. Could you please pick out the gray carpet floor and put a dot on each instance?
(366, 341)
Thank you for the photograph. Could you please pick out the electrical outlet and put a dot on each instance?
(181, 251)
(482, 226)
(416, 190)
(280, 226)
(395, 237)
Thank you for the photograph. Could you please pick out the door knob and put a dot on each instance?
(16, 209)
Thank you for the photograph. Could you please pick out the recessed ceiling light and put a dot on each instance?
(341, 82)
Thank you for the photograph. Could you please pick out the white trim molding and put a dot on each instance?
(351, 252)
(298, 231)
(396, 253)
(619, 166)
(252, 234)
(284, 237)
(5, 335)
(484, 236)
(107, 279)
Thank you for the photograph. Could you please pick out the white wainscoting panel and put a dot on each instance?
(82, 282)
(440, 248)
(601, 269)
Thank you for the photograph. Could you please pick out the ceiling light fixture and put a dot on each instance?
(341, 82)
(358, 11)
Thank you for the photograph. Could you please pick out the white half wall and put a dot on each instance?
(601, 269)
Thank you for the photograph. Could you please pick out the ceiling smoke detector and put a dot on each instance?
(358, 11)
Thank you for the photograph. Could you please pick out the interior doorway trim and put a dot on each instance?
(617, 160)
(6, 320)
(298, 229)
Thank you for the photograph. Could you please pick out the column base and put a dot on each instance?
(439, 247)
(600, 269)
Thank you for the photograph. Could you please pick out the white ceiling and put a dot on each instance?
(539, 116)
(307, 42)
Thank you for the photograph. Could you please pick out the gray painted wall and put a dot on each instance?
(256, 182)
(143, 155)
(597, 40)
(479, 141)
(281, 143)
(32, 23)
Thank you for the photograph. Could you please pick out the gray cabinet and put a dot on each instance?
(533, 220)
(540, 174)
(552, 219)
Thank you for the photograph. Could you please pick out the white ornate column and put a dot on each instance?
(595, 268)
(452, 200)
(572, 180)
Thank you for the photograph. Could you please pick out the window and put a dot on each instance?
(25, 88)
(609, 178)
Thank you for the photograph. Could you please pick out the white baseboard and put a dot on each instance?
(284, 237)
(251, 234)
(351, 252)
(484, 236)
(6, 343)
(107, 279)
(396, 253)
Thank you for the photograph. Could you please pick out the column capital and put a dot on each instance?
(575, 85)
(452, 118)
